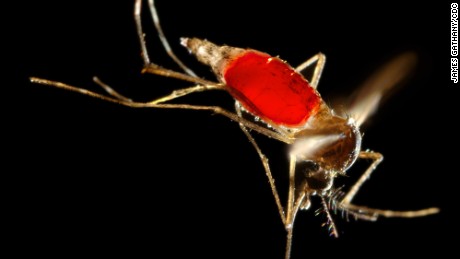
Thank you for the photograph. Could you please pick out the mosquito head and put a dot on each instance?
(316, 179)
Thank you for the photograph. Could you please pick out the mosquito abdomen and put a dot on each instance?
(211, 54)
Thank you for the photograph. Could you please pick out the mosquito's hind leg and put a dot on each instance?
(153, 68)
(173, 95)
(163, 39)
(371, 213)
(157, 103)
(111, 91)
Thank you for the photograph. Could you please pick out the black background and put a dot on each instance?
(90, 177)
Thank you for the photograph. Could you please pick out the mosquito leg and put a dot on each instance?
(158, 70)
(320, 60)
(289, 225)
(293, 205)
(265, 163)
(371, 213)
(175, 94)
(140, 31)
(111, 91)
(288, 243)
(376, 160)
(154, 68)
(291, 193)
(164, 41)
(156, 104)
(149, 67)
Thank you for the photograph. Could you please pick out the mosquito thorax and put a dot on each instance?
(336, 142)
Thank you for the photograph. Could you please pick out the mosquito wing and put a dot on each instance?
(367, 98)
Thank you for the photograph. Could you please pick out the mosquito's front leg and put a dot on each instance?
(320, 60)
(293, 204)
(371, 213)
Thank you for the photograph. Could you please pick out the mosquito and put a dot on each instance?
(284, 106)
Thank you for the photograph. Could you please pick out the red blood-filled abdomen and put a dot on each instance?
(271, 89)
